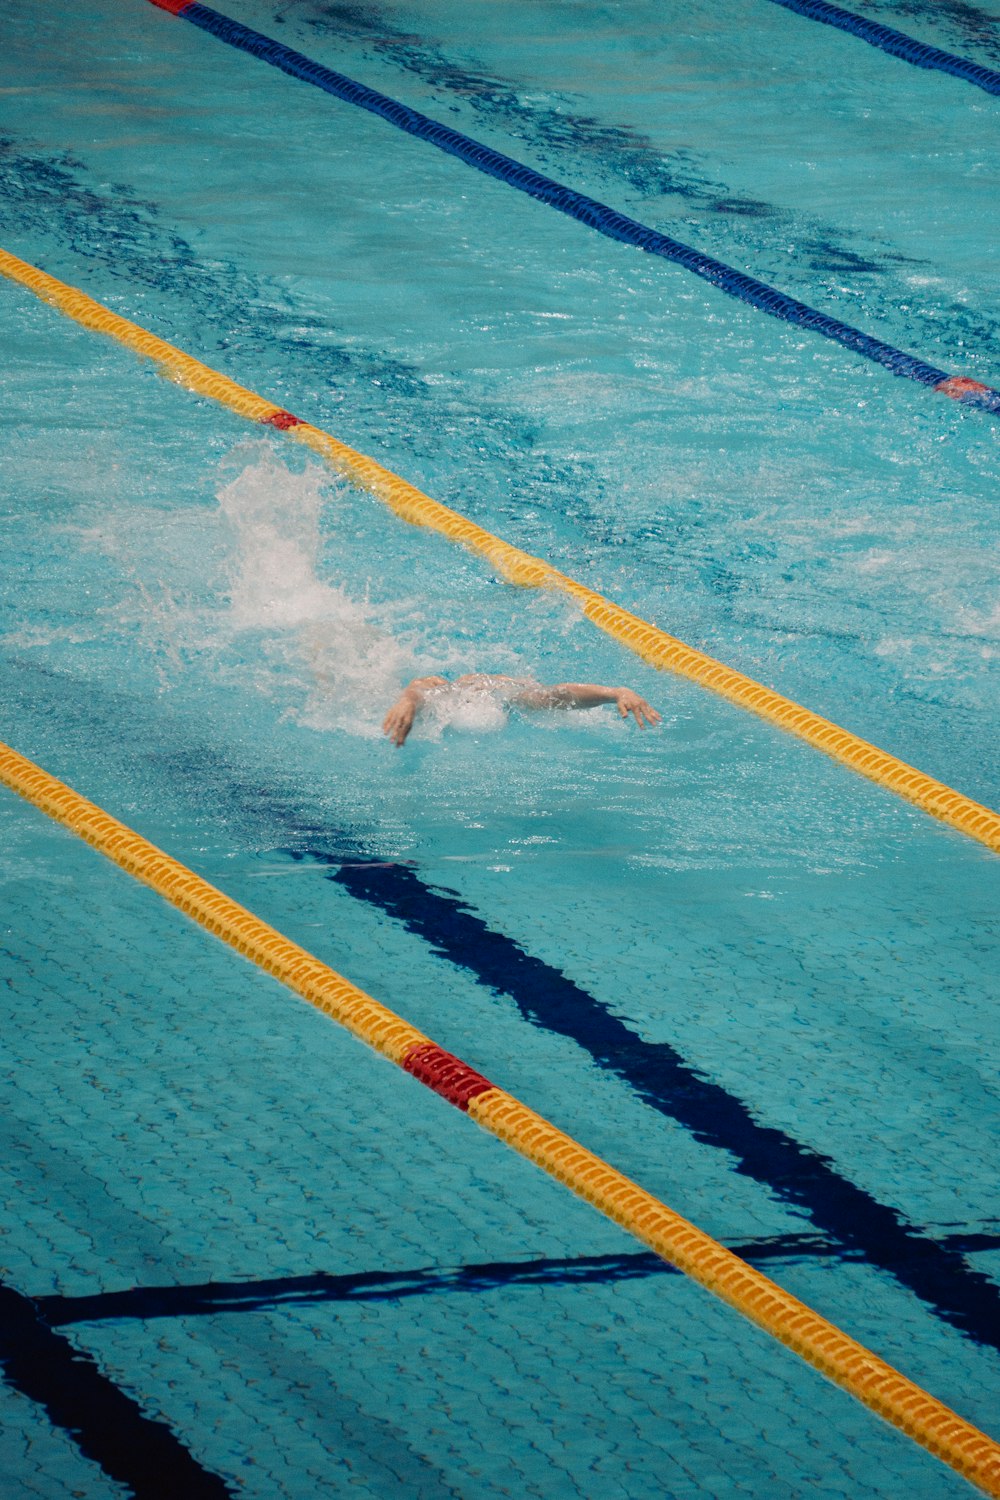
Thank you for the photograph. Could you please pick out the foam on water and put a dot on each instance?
(203, 634)
(316, 635)
(331, 656)
(274, 519)
(244, 595)
(346, 656)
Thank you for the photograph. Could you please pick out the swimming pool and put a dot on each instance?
(756, 983)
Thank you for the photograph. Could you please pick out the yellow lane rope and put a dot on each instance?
(647, 641)
(881, 1387)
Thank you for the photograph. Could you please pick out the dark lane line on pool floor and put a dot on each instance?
(585, 210)
(553, 129)
(896, 43)
(664, 1080)
(270, 1294)
(550, 126)
(107, 1426)
(657, 1073)
(55, 196)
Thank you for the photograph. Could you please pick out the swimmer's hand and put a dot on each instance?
(630, 703)
(399, 720)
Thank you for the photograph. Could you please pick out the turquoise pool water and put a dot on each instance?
(753, 981)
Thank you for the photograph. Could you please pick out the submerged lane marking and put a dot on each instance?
(108, 1426)
(849, 1364)
(658, 1075)
(663, 1080)
(649, 642)
(896, 43)
(589, 211)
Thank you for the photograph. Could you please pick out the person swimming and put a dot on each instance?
(515, 692)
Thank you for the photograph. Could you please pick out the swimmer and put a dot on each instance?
(519, 692)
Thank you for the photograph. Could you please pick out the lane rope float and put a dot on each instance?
(896, 43)
(647, 641)
(812, 1337)
(589, 211)
(853, 1222)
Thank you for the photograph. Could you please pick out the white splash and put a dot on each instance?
(315, 634)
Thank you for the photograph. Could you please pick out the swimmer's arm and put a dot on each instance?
(399, 720)
(588, 695)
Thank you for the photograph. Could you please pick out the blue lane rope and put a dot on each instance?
(921, 54)
(578, 206)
